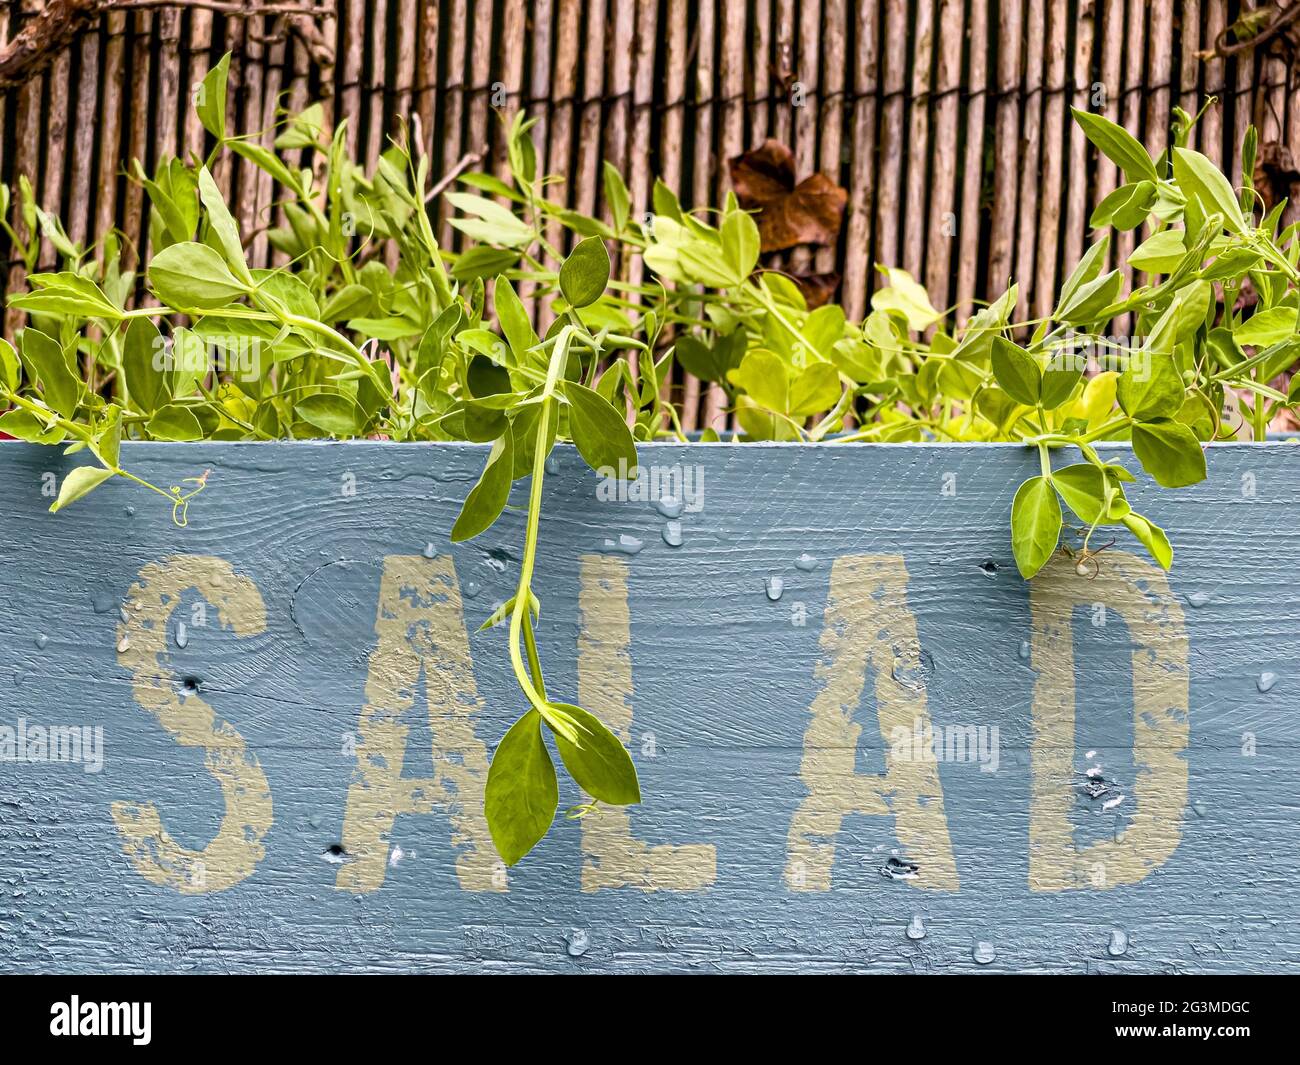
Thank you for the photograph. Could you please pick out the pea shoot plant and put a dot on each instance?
(441, 347)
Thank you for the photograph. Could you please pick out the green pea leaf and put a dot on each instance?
(1118, 145)
(1063, 372)
(174, 422)
(515, 323)
(66, 294)
(1160, 253)
(1170, 452)
(78, 483)
(331, 412)
(223, 228)
(817, 388)
(585, 273)
(210, 99)
(1090, 299)
(1016, 372)
(597, 760)
(522, 792)
(1035, 525)
(599, 431)
(1199, 177)
(60, 387)
(1267, 327)
(1151, 386)
(11, 370)
(1084, 487)
(190, 276)
(740, 244)
(616, 197)
(488, 497)
(147, 383)
(1152, 537)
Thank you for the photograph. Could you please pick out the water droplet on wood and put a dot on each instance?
(182, 635)
(916, 927)
(774, 586)
(984, 952)
(805, 563)
(1118, 944)
(1266, 681)
(625, 545)
(673, 534)
(41, 641)
(669, 506)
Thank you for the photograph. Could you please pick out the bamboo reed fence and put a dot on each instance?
(946, 120)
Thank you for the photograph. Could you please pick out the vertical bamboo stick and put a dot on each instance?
(408, 31)
(374, 106)
(593, 88)
(942, 217)
(480, 76)
(541, 76)
(84, 139)
(1076, 219)
(297, 99)
(702, 159)
(1006, 160)
(133, 227)
(704, 163)
(259, 248)
(918, 121)
(1243, 109)
(671, 147)
(27, 154)
(352, 46)
(806, 115)
(226, 173)
(889, 182)
(1132, 111)
(1111, 87)
(832, 111)
(783, 35)
(1054, 143)
(760, 77)
(559, 150)
(1216, 84)
(1031, 147)
(55, 136)
(511, 76)
(110, 123)
(972, 182)
(4, 129)
(198, 60)
(167, 28)
(643, 88)
(1190, 63)
(254, 82)
(866, 82)
(427, 77)
(1160, 71)
(453, 102)
(619, 89)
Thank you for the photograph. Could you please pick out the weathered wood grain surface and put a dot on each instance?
(331, 674)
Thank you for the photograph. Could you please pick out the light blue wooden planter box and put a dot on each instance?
(260, 742)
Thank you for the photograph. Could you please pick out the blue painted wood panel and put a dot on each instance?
(1116, 788)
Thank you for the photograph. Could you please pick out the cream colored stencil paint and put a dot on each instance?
(614, 858)
(869, 628)
(420, 627)
(1138, 592)
(233, 853)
